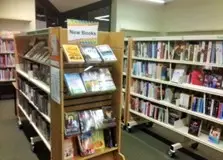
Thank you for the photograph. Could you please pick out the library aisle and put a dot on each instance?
(14, 145)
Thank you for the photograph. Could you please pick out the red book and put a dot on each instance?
(219, 110)
(197, 77)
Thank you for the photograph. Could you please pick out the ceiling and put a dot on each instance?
(66, 5)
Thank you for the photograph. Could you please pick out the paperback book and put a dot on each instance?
(87, 121)
(74, 83)
(68, 149)
(72, 125)
(214, 135)
(90, 54)
(73, 54)
(86, 144)
(106, 53)
(98, 139)
(195, 126)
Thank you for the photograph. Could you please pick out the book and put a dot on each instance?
(86, 144)
(106, 53)
(72, 125)
(87, 122)
(214, 135)
(90, 54)
(74, 83)
(106, 82)
(68, 149)
(109, 119)
(98, 117)
(98, 139)
(110, 138)
(197, 77)
(73, 53)
(195, 126)
(178, 73)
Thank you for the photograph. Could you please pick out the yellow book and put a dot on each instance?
(73, 53)
(98, 139)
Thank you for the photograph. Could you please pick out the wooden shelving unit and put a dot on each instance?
(64, 103)
(183, 130)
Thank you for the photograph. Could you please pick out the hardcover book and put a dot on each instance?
(197, 77)
(74, 83)
(106, 53)
(72, 125)
(68, 149)
(195, 126)
(87, 122)
(86, 144)
(214, 135)
(98, 139)
(90, 54)
(73, 54)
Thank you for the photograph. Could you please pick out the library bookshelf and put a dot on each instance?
(141, 54)
(57, 101)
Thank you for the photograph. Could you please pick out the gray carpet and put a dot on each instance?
(14, 143)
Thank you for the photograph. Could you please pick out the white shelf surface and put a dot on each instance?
(46, 117)
(213, 91)
(123, 90)
(35, 128)
(38, 83)
(178, 62)
(10, 80)
(203, 138)
(170, 105)
(124, 73)
(125, 56)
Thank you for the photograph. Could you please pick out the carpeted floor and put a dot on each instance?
(14, 143)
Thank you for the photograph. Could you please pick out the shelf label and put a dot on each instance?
(55, 84)
(82, 31)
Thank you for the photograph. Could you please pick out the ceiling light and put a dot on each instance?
(102, 18)
(157, 1)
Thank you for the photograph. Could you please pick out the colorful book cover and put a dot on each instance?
(74, 83)
(106, 53)
(214, 135)
(98, 117)
(73, 54)
(86, 144)
(68, 149)
(87, 122)
(91, 81)
(90, 54)
(105, 80)
(72, 125)
(195, 126)
(109, 118)
(197, 77)
(98, 139)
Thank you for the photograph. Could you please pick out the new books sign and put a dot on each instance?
(82, 31)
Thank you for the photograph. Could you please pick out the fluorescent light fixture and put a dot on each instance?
(88, 68)
(157, 1)
(102, 18)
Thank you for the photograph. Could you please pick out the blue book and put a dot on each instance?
(201, 107)
(194, 104)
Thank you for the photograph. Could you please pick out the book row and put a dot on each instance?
(197, 51)
(151, 70)
(38, 51)
(37, 71)
(175, 119)
(180, 74)
(88, 54)
(6, 46)
(88, 120)
(209, 105)
(7, 74)
(35, 95)
(88, 143)
(90, 81)
(35, 118)
(7, 60)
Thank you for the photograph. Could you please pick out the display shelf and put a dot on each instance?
(35, 128)
(170, 105)
(203, 138)
(30, 59)
(38, 83)
(46, 117)
(97, 153)
(213, 91)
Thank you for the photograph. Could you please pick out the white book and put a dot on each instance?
(219, 52)
(212, 107)
(178, 73)
(166, 51)
(209, 52)
(159, 47)
(196, 50)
